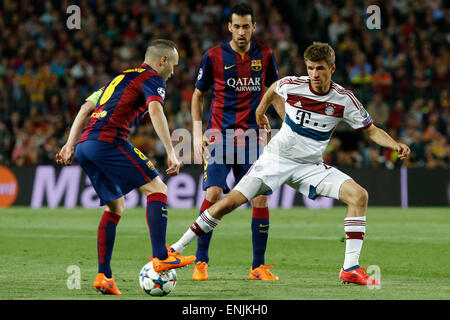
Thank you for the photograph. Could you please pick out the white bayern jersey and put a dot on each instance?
(311, 118)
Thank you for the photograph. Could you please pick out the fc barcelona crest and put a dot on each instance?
(256, 65)
(150, 165)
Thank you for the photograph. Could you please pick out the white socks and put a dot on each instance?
(204, 224)
(355, 228)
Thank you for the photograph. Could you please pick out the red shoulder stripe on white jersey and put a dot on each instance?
(347, 93)
(293, 81)
(283, 82)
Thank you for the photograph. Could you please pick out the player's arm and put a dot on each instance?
(205, 80)
(159, 121)
(65, 155)
(278, 104)
(269, 97)
(197, 125)
(382, 138)
(271, 80)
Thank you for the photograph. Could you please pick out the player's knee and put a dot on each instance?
(213, 194)
(233, 200)
(228, 205)
(116, 206)
(116, 209)
(361, 197)
(161, 188)
(353, 194)
(154, 186)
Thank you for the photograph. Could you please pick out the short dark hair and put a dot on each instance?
(242, 9)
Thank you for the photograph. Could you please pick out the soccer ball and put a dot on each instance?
(157, 283)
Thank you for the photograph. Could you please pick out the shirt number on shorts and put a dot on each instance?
(140, 154)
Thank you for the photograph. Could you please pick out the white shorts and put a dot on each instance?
(271, 171)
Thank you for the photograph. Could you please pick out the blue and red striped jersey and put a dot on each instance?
(238, 83)
(124, 102)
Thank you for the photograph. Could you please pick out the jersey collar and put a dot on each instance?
(250, 49)
(146, 66)
(316, 93)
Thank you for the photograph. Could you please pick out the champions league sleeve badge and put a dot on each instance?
(161, 92)
(200, 74)
(363, 112)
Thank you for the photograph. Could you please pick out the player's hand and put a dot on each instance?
(200, 148)
(263, 122)
(65, 155)
(403, 150)
(174, 165)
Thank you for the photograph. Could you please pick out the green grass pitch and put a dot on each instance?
(411, 248)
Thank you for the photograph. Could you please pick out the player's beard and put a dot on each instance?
(242, 43)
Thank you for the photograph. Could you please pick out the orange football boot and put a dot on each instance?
(200, 271)
(106, 285)
(358, 276)
(174, 260)
(169, 249)
(262, 273)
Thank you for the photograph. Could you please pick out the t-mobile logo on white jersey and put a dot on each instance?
(245, 84)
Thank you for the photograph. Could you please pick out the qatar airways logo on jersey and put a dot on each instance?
(245, 84)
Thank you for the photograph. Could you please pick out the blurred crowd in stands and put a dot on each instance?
(400, 72)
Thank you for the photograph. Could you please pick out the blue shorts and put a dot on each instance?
(217, 167)
(114, 169)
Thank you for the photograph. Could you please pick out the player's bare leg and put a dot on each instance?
(213, 194)
(117, 206)
(260, 201)
(157, 214)
(356, 198)
(260, 233)
(230, 202)
(106, 234)
(209, 219)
